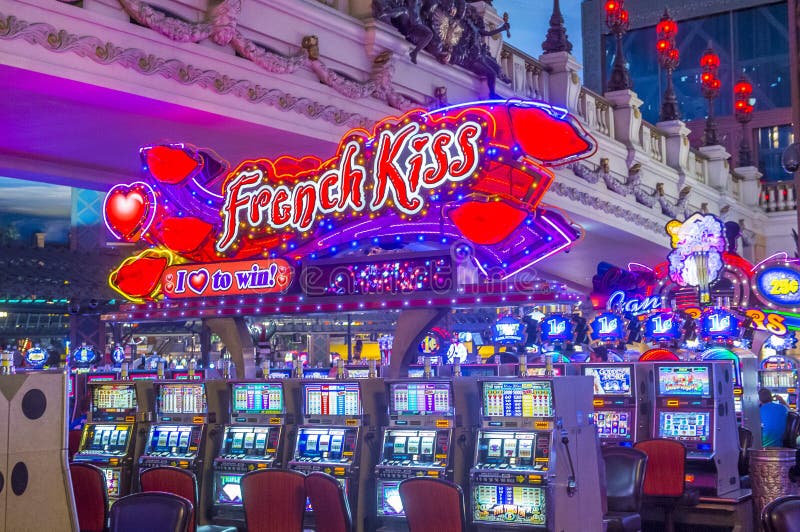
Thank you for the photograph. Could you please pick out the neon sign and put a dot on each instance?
(608, 327)
(84, 355)
(698, 244)
(232, 278)
(662, 326)
(719, 323)
(633, 305)
(508, 331)
(118, 354)
(556, 328)
(777, 284)
(475, 172)
(36, 356)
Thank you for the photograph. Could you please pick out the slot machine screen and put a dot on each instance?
(479, 370)
(784, 396)
(420, 399)
(522, 505)
(419, 372)
(358, 373)
(338, 445)
(112, 480)
(687, 426)
(541, 371)
(517, 399)
(284, 373)
(257, 398)
(778, 379)
(314, 373)
(105, 439)
(113, 400)
(610, 380)
(250, 441)
(174, 439)
(512, 450)
(389, 502)
(334, 399)
(684, 380)
(102, 377)
(144, 376)
(418, 447)
(228, 489)
(185, 398)
(613, 424)
(184, 376)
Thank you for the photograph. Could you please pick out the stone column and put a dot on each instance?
(627, 120)
(676, 136)
(235, 335)
(563, 80)
(411, 327)
(719, 175)
(749, 185)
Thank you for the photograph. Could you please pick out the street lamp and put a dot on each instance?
(710, 85)
(617, 21)
(743, 110)
(668, 58)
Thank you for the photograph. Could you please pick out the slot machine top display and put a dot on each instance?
(113, 402)
(423, 403)
(199, 375)
(259, 402)
(540, 370)
(517, 403)
(332, 403)
(181, 402)
(104, 376)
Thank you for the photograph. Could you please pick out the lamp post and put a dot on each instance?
(710, 85)
(743, 110)
(668, 58)
(617, 21)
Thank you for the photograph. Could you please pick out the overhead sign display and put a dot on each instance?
(227, 278)
(474, 172)
(662, 327)
(719, 323)
(697, 247)
(777, 284)
(608, 327)
(556, 328)
(508, 331)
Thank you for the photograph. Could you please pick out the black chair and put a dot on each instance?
(792, 430)
(745, 443)
(625, 470)
(152, 511)
(782, 515)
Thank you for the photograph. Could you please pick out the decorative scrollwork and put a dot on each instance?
(102, 52)
(220, 25)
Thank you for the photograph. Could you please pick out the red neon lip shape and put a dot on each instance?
(545, 138)
(140, 277)
(170, 164)
(486, 222)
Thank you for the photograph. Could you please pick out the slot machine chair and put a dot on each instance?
(782, 514)
(792, 430)
(157, 512)
(625, 474)
(91, 496)
(664, 480)
(745, 443)
(433, 504)
(274, 500)
(73, 442)
(329, 499)
(183, 483)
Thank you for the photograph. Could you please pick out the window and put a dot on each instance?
(771, 143)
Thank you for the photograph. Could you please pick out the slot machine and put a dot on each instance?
(255, 438)
(623, 400)
(536, 459)
(745, 384)
(118, 413)
(778, 373)
(694, 405)
(419, 441)
(339, 435)
(101, 376)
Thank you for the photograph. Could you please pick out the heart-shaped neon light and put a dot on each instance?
(198, 281)
(129, 210)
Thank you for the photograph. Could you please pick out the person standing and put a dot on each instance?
(773, 419)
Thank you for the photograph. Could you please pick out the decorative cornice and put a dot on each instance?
(106, 53)
(607, 207)
(220, 25)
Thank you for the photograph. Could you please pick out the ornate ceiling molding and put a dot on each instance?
(107, 53)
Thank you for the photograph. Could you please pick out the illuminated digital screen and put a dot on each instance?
(512, 451)
(524, 505)
(227, 488)
(389, 502)
(689, 426)
(326, 444)
(420, 398)
(174, 439)
(479, 370)
(613, 424)
(415, 448)
(105, 439)
(112, 480)
(334, 399)
(778, 379)
(114, 398)
(257, 398)
(517, 399)
(610, 380)
(250, 441)
(360, 373)
(684, 380)
(185, 398)
(541, 371)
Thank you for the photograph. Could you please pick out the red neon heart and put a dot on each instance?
(198, 281)
(170, 165)
(184, 234)
(545, 137)
(140, 277)
(128, 210)
(486, 223)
